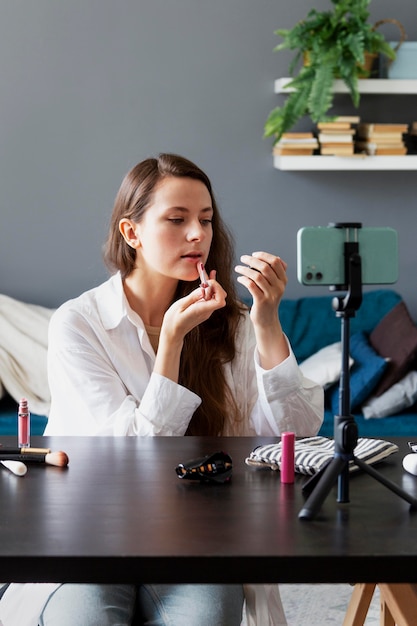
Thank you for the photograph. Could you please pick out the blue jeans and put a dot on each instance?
(157, 605)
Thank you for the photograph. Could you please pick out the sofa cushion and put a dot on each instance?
(398, 397)
(311, 323)
(324, 366)
(366, 372)
(395, 338)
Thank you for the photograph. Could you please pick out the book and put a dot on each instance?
(334, 138)
(341, 121)
(382, 144)
(338, 125)
(291, 146)
(297, 136)
(297, 142)
(292, 142)
(337, 150)
(381, 138)
(338, 131)
(294, 152)
(373, 148)
(366, 128)
(342, 146)
(352, 119)
(386, 151)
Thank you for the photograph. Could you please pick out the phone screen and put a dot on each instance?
(321, 259)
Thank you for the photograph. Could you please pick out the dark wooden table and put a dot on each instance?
(119, 513)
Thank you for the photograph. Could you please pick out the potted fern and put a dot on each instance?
(333, 44)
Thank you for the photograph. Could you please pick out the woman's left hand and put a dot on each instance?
(265, 277)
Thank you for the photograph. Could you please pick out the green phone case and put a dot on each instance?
(321, 261)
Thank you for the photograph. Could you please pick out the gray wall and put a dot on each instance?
(90, 87)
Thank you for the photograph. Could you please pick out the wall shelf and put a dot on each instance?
(356, 162)
(366, 85)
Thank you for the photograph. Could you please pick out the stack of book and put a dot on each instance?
(336, 137)
(381, 139)
(296, 144)
(412, 139)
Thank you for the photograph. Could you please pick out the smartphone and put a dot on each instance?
(321, 259)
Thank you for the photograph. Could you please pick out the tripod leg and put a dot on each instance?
(387, 483)
(317, 497)
(343, 485)
(308, 486)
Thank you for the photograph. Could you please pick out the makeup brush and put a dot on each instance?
(59, 459)
(16, 467)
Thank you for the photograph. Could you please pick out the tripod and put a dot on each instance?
(345, 427)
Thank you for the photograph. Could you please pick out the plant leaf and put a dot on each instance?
(321, 95)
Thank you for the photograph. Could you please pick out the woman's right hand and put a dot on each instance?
(190, 311)
(181, 317)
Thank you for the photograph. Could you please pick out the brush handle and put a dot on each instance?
(18, 468)
(15, 456)
(4, 450)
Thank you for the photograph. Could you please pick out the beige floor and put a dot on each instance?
(322, 605)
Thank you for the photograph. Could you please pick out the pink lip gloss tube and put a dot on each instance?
(23, 424)
(288, 457)
(203, 276)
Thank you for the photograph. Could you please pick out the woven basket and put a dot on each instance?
(391, 20)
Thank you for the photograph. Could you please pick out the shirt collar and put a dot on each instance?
(111, 302)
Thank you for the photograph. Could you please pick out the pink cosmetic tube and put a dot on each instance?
(203, 276)
(23, 424)
(288, 457)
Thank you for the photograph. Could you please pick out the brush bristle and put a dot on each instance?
(60, 459)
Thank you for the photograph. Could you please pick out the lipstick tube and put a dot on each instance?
(203, 276)
(23, 424)
(288, 457)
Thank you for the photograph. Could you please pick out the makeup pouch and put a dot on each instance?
(313, 454)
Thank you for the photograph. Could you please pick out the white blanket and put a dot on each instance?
(23, 349)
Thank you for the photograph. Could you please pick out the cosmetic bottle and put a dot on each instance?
(23, 424)
(288, 458)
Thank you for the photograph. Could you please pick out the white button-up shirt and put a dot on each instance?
(100, 364)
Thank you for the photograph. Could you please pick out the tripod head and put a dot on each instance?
(347, 305)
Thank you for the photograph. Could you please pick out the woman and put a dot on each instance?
(163, 348)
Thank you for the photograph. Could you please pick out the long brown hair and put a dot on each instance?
(211, 344)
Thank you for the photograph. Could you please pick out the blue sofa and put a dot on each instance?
(8, 418)
(311, 324)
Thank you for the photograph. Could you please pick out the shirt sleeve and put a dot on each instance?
(90, 397)
(166, 409)
(287, 400)
(276, 400)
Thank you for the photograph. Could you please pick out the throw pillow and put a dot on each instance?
(365, 374)
(397, 398)
(395, 338)
(324, 366)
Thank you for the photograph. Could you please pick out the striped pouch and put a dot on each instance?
(313, 454)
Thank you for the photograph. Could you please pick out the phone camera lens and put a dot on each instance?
(319, 275)
(309, 275)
